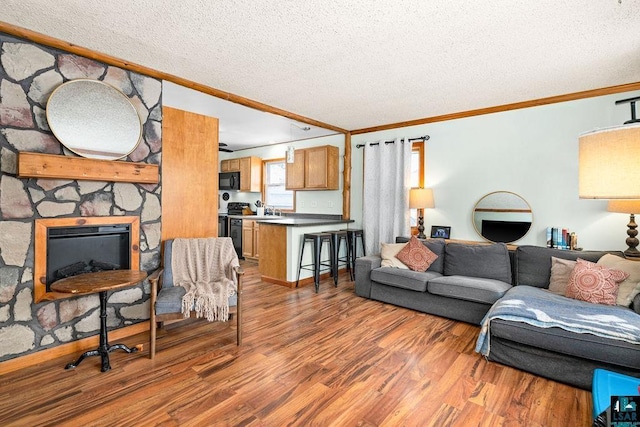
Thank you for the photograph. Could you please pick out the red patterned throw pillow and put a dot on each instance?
(594, 283)
(416, 256)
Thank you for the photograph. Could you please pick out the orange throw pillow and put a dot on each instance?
(416, 256)
(594, 283)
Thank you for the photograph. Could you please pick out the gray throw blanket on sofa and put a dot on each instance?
(205, 268)
(543, 309)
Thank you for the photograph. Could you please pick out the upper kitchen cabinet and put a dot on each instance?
(295, 172)
(314, 168)
(231, 165)
(250, 169)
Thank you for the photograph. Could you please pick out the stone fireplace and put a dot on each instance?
(32, 319)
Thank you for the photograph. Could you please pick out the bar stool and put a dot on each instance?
(337, 237)
(316, 239)
(352, 235)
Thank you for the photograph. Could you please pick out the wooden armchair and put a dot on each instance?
(166, 299)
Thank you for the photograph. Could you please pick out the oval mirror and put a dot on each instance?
(502, 216)
(93, 119)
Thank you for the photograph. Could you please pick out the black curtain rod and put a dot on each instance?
(424, 138)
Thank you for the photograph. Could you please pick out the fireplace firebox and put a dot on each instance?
(77, 250)
(67, 247)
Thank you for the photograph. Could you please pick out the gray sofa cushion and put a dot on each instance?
(167, 273)
(485, 261)
(169, 300)
(437, 247)
(585, 346)
(401, 278)
(533, 263)
(468, 288)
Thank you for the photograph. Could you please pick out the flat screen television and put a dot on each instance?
(504, 231)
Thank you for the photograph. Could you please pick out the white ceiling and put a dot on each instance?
(240, 127)
(356, 64)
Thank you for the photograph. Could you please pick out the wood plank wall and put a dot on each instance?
(189, 174)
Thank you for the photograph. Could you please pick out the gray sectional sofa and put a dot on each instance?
(467, 280)
(462, 283)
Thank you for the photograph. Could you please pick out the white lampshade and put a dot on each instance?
(420, 198)
(608, 163)
(624, 206)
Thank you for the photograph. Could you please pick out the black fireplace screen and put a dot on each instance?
(77, 250)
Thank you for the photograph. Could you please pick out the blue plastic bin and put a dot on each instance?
(607, 384)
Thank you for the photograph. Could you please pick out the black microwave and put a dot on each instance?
(229, 181)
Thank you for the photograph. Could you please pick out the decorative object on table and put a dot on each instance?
(608, 160)
(629, 207)
(440, 231)
(260, 208)
(421, 198)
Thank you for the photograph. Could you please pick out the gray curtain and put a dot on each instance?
(387, 172)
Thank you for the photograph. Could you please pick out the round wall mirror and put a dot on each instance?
(502, 216)
(93, 119)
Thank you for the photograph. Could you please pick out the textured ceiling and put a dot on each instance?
(356, 64)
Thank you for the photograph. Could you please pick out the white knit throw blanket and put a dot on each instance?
(205, 268)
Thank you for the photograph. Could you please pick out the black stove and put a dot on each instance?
(235, 208)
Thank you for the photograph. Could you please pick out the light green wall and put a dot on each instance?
(532, 152)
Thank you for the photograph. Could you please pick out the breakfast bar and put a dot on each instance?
(284, 236)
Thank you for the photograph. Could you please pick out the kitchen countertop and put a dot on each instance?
(296, 219)
(302, 222)
(256, 217)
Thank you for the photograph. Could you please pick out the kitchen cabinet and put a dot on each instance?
(250, 169)
(295, 172)
(250, 238)
(230, 165)
(251, 174)
(314, 168)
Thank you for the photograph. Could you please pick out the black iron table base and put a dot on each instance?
(104, 348)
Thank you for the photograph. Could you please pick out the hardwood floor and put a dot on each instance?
(331, 358)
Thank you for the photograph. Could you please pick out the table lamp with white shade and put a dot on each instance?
(421, 198)
(608, 169)
(630, 207)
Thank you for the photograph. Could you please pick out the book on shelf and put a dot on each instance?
(561, 238)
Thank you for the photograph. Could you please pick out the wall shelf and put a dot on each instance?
(51, 166)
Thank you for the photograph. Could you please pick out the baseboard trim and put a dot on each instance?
(73, 347)
(303, 282)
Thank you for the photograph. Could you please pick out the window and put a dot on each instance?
(275, 194)
(417, 175)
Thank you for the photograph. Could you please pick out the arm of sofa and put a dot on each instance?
(364, 265)
(635, 304)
